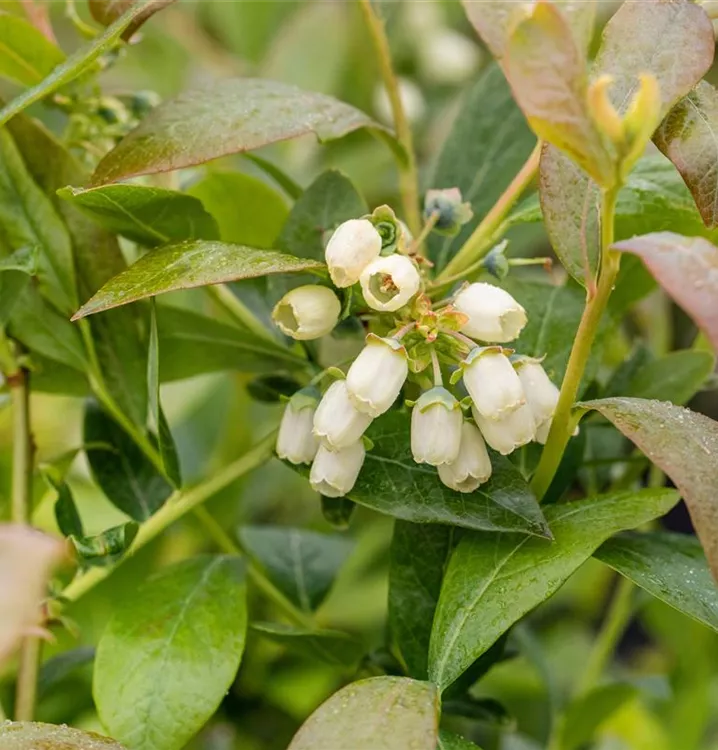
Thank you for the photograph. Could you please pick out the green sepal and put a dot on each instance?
(392, 343)
(478, 351)
(106, 548)
(336, 373)
(437, 395)
(368, 443)
(385, 222)
(305, 398)
(496, 262)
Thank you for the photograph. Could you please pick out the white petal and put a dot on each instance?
(337, 422)
(435, 434)
(354, 244)
(307, 312)
(388, 283)
(512, 431)
(376, 377)
(334, 473)
(296, 442)
(493, 384)
(494, 315)
(541, 394)
(472, 466)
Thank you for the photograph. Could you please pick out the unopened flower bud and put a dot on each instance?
(436, 428)
(447, 56)
(377, 375)
(492, 382)
(513, 430)
(307, 312)
(541, 394)
(337, 422)
(388, 283)
(412, 100)
(296, 442)
(351, 248)
(602, 110)
(494, 315)
(452, 213)
(472, 466)
(334, 473)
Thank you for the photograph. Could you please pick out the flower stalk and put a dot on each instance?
(596, 302)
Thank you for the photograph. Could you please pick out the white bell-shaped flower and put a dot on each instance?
(376, 376)
(472, 466)
(334, 473)
(337, 422)
(542, 431)
(296, 442)
(541, 394)
(436, 421)
(307, 312)
(388, 283)
(351, 248)
(514, 429)
(494, 315)
(492, 382)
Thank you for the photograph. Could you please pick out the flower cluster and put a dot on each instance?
(511, 400)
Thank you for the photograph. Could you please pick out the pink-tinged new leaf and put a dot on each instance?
(547, 74)
(26, 560)
(687, 268)
(672, 40)
(682, 443)
(689, 138)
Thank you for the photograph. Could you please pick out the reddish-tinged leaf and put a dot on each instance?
(228, 117)
(547, 73)
(187, 265)
(687, 268)
(26, 559)
(689, 138)
(495, 19)
(26, 735)
(108, 11)
(682, 443)
(671, 39)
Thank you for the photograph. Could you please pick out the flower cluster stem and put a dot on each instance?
(409, 174)
(563, 424)
(481, 240)
(22, 471)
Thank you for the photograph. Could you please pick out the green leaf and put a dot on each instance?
(105, 549)
(165, 441)
(328, 646)
(120, 468)
(271, 389)
(26, 735)
(57, 668)
(547, 73)
(450, 741)
(29, 220)
(12, 286)
(119, 351)
(247, 210)
(78, 63)
(107, 12)
(279, 176)
(682, 443)
(326, 203)
(151, 689)
(232, 116)
(43, 330)
(673, 41)
(26, 54)
(338, 511)
(66, 513)
(191, 344)
(688, 136)
(687, 268)
(381, 713)
(488, 144)
(392, 482)
(188, 265)
(672, 567)
(585, 715)
(302, 564)
(676, 376)
(418, 557)
(491, 582)
(148, 215)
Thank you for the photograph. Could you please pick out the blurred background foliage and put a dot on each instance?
(671, 662)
